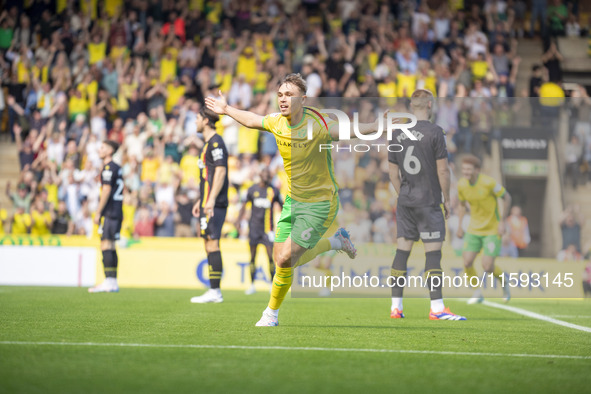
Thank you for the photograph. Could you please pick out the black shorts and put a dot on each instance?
(257, 236)
(111, 229)
(425, 223)
(212, 228)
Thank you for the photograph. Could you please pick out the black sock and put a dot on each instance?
(253, 271)
(110, 262)
(215, 269)
(272, 269)
(398, 270)
(432, 269)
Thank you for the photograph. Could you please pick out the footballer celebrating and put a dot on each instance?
(485, 229)
(312, 202)
(420, 175)
(212, 205)
(261, 197)
(110, 210)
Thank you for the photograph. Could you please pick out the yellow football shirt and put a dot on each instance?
(247, 66)
(3, 216)
(406, 84)
(190, 167)
(167, 69)
(479, 69)
(310, 172)
(174, 95)
(127, 226)
(482, 197)
(40, 220)
(21, 223)
(248, 140)
(150, 169)
(96, 52)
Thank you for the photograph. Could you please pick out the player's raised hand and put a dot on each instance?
(217, 105)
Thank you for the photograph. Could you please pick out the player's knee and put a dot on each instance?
(468, 263)
(283, 260)
(107, 245)
(212, 245)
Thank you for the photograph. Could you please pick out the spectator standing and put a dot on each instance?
(518, 229)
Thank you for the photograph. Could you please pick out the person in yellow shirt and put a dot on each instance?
(78, 104)
(174, 91)
(190, 166)
(21, 222)
(487, 224)
(168, 171)
(97, 50)
(129, 208)
(41, 220)
(247, 64)
(479, 67)
(312, 202)
(167, 67)
(150, 166)
(387, 88)
(3, 217)
(407, 83)
(119, 50)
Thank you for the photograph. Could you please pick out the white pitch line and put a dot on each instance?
(316, 349)
(538, 316)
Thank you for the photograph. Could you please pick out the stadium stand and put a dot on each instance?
(137, 72)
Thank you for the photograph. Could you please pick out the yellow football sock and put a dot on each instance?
(322, 246)
(470, 272)
(326, 271)
(281, 284)
(498, 272)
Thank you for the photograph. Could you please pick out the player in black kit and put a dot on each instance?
(421, 177)
(213, 201)
(110, 210)
(262, 197)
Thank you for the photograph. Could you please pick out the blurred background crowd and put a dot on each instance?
(77, 72)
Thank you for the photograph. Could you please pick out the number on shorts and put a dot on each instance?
(491, 247)
(411, 163)
(307, 234)
(203, 223)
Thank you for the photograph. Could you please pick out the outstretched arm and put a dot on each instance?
(246, 118)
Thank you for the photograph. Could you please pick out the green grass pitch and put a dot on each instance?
(41, 330)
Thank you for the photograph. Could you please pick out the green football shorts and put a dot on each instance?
(306, 222)
(490, 243)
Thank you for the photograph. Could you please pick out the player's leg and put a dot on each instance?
(111, 229)
(398, 275)
(492, 247)
(283, 272)
(431, 225)
(408, 234)
(472, 246)
(269, 247)
(324, 265)
(253, 255)
(211, 230)
(283, 253)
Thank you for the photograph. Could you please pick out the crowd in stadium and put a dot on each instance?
(136, 72)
